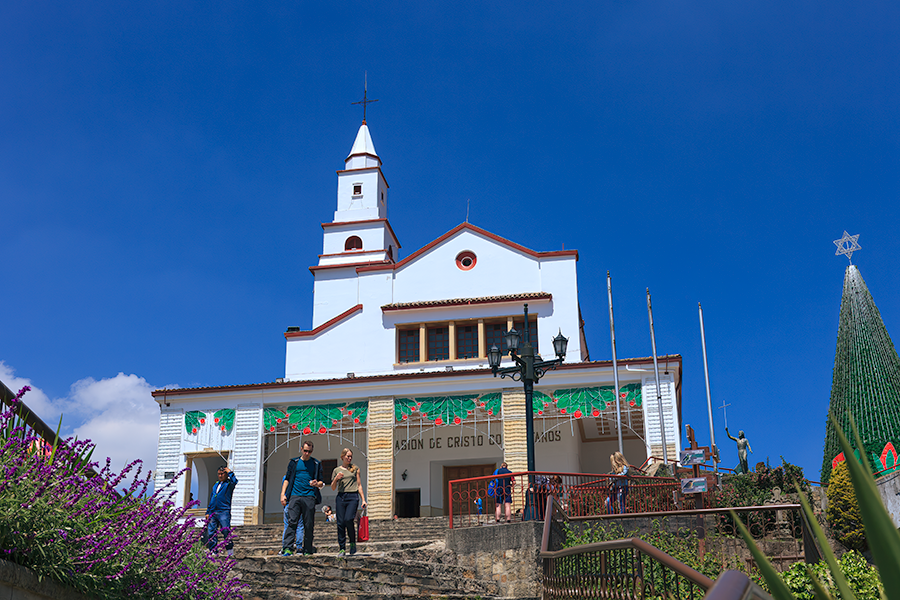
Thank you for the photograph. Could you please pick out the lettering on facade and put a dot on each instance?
(467, 441)
(547, 436)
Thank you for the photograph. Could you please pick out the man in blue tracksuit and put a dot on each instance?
(298, 492)
(219, 509)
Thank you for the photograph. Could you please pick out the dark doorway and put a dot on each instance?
(407, 502)
(462, 472)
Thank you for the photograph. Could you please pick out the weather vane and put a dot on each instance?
(847, 245)
(365, 100)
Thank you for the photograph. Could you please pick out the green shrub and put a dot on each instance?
(843, 513)
(862, 577)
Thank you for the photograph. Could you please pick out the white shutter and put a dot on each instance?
(651, 416)
(246, 461)
(168, 450)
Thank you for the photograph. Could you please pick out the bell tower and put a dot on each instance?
(360, 232)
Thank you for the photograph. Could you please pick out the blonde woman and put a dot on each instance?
(620, 486)
(348, 483)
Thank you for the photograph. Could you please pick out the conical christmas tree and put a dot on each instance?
(866, 380)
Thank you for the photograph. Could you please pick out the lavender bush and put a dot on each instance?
(65, 522)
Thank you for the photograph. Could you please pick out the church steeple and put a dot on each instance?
(360, 232)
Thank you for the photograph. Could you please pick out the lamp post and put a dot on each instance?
(528, 369)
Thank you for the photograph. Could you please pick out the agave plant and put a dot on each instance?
(882, 535)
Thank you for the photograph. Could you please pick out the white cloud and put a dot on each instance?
(118, 414)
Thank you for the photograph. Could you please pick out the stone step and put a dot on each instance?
(362, 577)
(326, 547)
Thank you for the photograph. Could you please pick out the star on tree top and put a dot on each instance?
(847, 245)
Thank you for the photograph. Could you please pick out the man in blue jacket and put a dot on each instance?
(219, 509)
(302, 483)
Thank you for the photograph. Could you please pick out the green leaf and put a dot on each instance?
(491, 403)
(270, 418)
(882, 535)
(836, 573)
(192, 420)
(224, 418)
(358, 412)
(821, 592)
(777, 587)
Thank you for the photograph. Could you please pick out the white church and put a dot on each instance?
(417, 402)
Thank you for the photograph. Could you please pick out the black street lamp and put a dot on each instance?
(529, 369)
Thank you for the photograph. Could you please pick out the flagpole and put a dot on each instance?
(662, 422)
(712, 433)
(612, 333)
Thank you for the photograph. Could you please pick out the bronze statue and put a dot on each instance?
(742, 446)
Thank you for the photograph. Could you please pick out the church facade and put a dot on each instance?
(395, 367)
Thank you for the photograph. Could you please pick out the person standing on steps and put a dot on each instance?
(620, 484)
(219, 509)
(348, 483)
(299, 493)
(503, 493)
(298, 537)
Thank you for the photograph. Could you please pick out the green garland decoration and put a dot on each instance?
(193, 420)
(224, 419)
(358, 411)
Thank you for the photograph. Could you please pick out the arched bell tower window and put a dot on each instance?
(353, 243)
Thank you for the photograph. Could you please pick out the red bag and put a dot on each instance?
(363, 535)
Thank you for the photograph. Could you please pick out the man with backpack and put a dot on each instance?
(300, 493)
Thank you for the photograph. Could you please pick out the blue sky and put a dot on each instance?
(164, 169)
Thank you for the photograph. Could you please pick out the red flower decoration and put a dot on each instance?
(577, 414)
(272, 428)
(403, 417)
(546, 405)
(413, 408)
(456, 421)
(596, 412)
(307, 430)
(194, 430)
(482, 404)
(334, 421)
(349, 413)
(540, 412)
(202, 421)
(562, 411)
(439, 421)
(216, 420)
(322, 429)
(631, 403)
(294, 426)
(356, 420)
(223, 428)
(491, 411)
(623, 395)
(276, 420)
(418, 404)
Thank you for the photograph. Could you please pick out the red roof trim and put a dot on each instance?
(385, 221)
(357, 265)
(323, 326)
(365, 169)
(477, 230)
(673, 359)
(539, 297)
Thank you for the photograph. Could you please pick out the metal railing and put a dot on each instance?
(628, 568)
(580, 494)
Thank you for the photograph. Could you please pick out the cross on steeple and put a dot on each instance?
(365, 100)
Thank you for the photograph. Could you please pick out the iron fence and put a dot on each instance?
(627, 568)
(580, 494)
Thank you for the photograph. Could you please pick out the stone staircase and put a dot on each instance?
(405, 558)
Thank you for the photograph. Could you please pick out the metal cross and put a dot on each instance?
(847, 245)
(725, 413)
(365, 100)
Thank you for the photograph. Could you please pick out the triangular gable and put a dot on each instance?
(450, 234)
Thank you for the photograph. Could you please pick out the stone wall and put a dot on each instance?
(889, 488)
(20, 583)
(506, 554)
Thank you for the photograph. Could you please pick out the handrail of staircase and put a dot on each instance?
(615, 566)
(608, 564)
